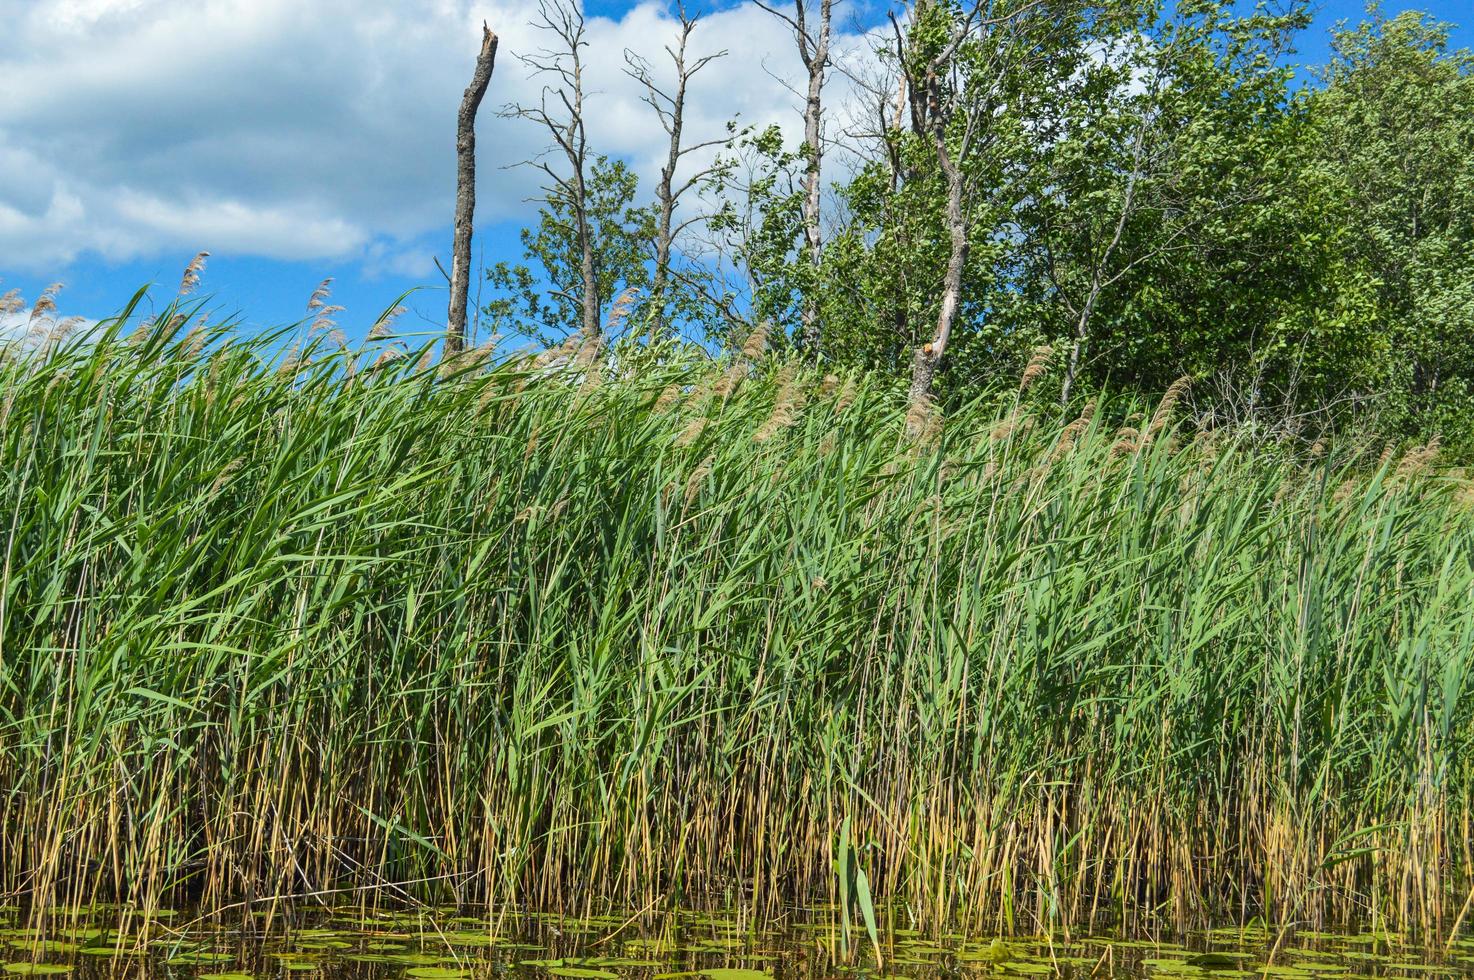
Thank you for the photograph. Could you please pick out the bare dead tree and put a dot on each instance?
(813, 51)
(670, 109)
(460, 265)
(560, 110)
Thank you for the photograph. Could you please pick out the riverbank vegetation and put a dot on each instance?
(650, 629)
(1155, 190)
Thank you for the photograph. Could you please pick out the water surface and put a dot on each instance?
(102, 943)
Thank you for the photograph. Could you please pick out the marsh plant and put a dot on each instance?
(631, 626)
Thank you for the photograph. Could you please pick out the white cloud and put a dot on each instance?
(13, 325)
(22, 328)
(320, 130)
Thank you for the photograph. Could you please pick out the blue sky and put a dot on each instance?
(301, 141)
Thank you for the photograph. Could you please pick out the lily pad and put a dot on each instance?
(1214, 960)
(201, 958)
(37, 969)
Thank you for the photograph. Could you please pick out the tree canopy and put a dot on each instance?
(1148, 189)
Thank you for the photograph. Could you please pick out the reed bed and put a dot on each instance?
(636, 631)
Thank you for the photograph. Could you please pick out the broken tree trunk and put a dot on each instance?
(928, 359)
(460, 268)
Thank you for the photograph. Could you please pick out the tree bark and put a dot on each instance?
(664, 190)
(587, 269)
(460, 267)
(929, 358)
(1082, 333)
(813, 51)
(816, 62)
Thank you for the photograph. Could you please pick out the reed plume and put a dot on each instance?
(1163, 415)
(190, 281)
(320, 295)
(1037, 367)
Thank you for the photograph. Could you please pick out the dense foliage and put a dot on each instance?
(653, 630)
(1152, 188)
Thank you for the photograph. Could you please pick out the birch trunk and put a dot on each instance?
(928, 358)
(816, 62)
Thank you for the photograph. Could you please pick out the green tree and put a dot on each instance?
(1153, 156)
(748, 269)
(1394, 124)
(543, 296)
(917, 277)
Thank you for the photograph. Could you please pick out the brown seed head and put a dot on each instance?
(1072, 432)
(191, 279)
(620, 310)
(923, 421)
(385, 327)
(1126, 442)
(1170, 398)
(786, 408)
(1036, 368)
(320, 295)
(698, 477)
(692, 431)
(324, 322)
(757, 342)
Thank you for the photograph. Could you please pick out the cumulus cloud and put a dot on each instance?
(29, 331)
(13, 325)
(319, 130)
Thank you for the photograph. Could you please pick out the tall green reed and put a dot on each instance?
(359, 626)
